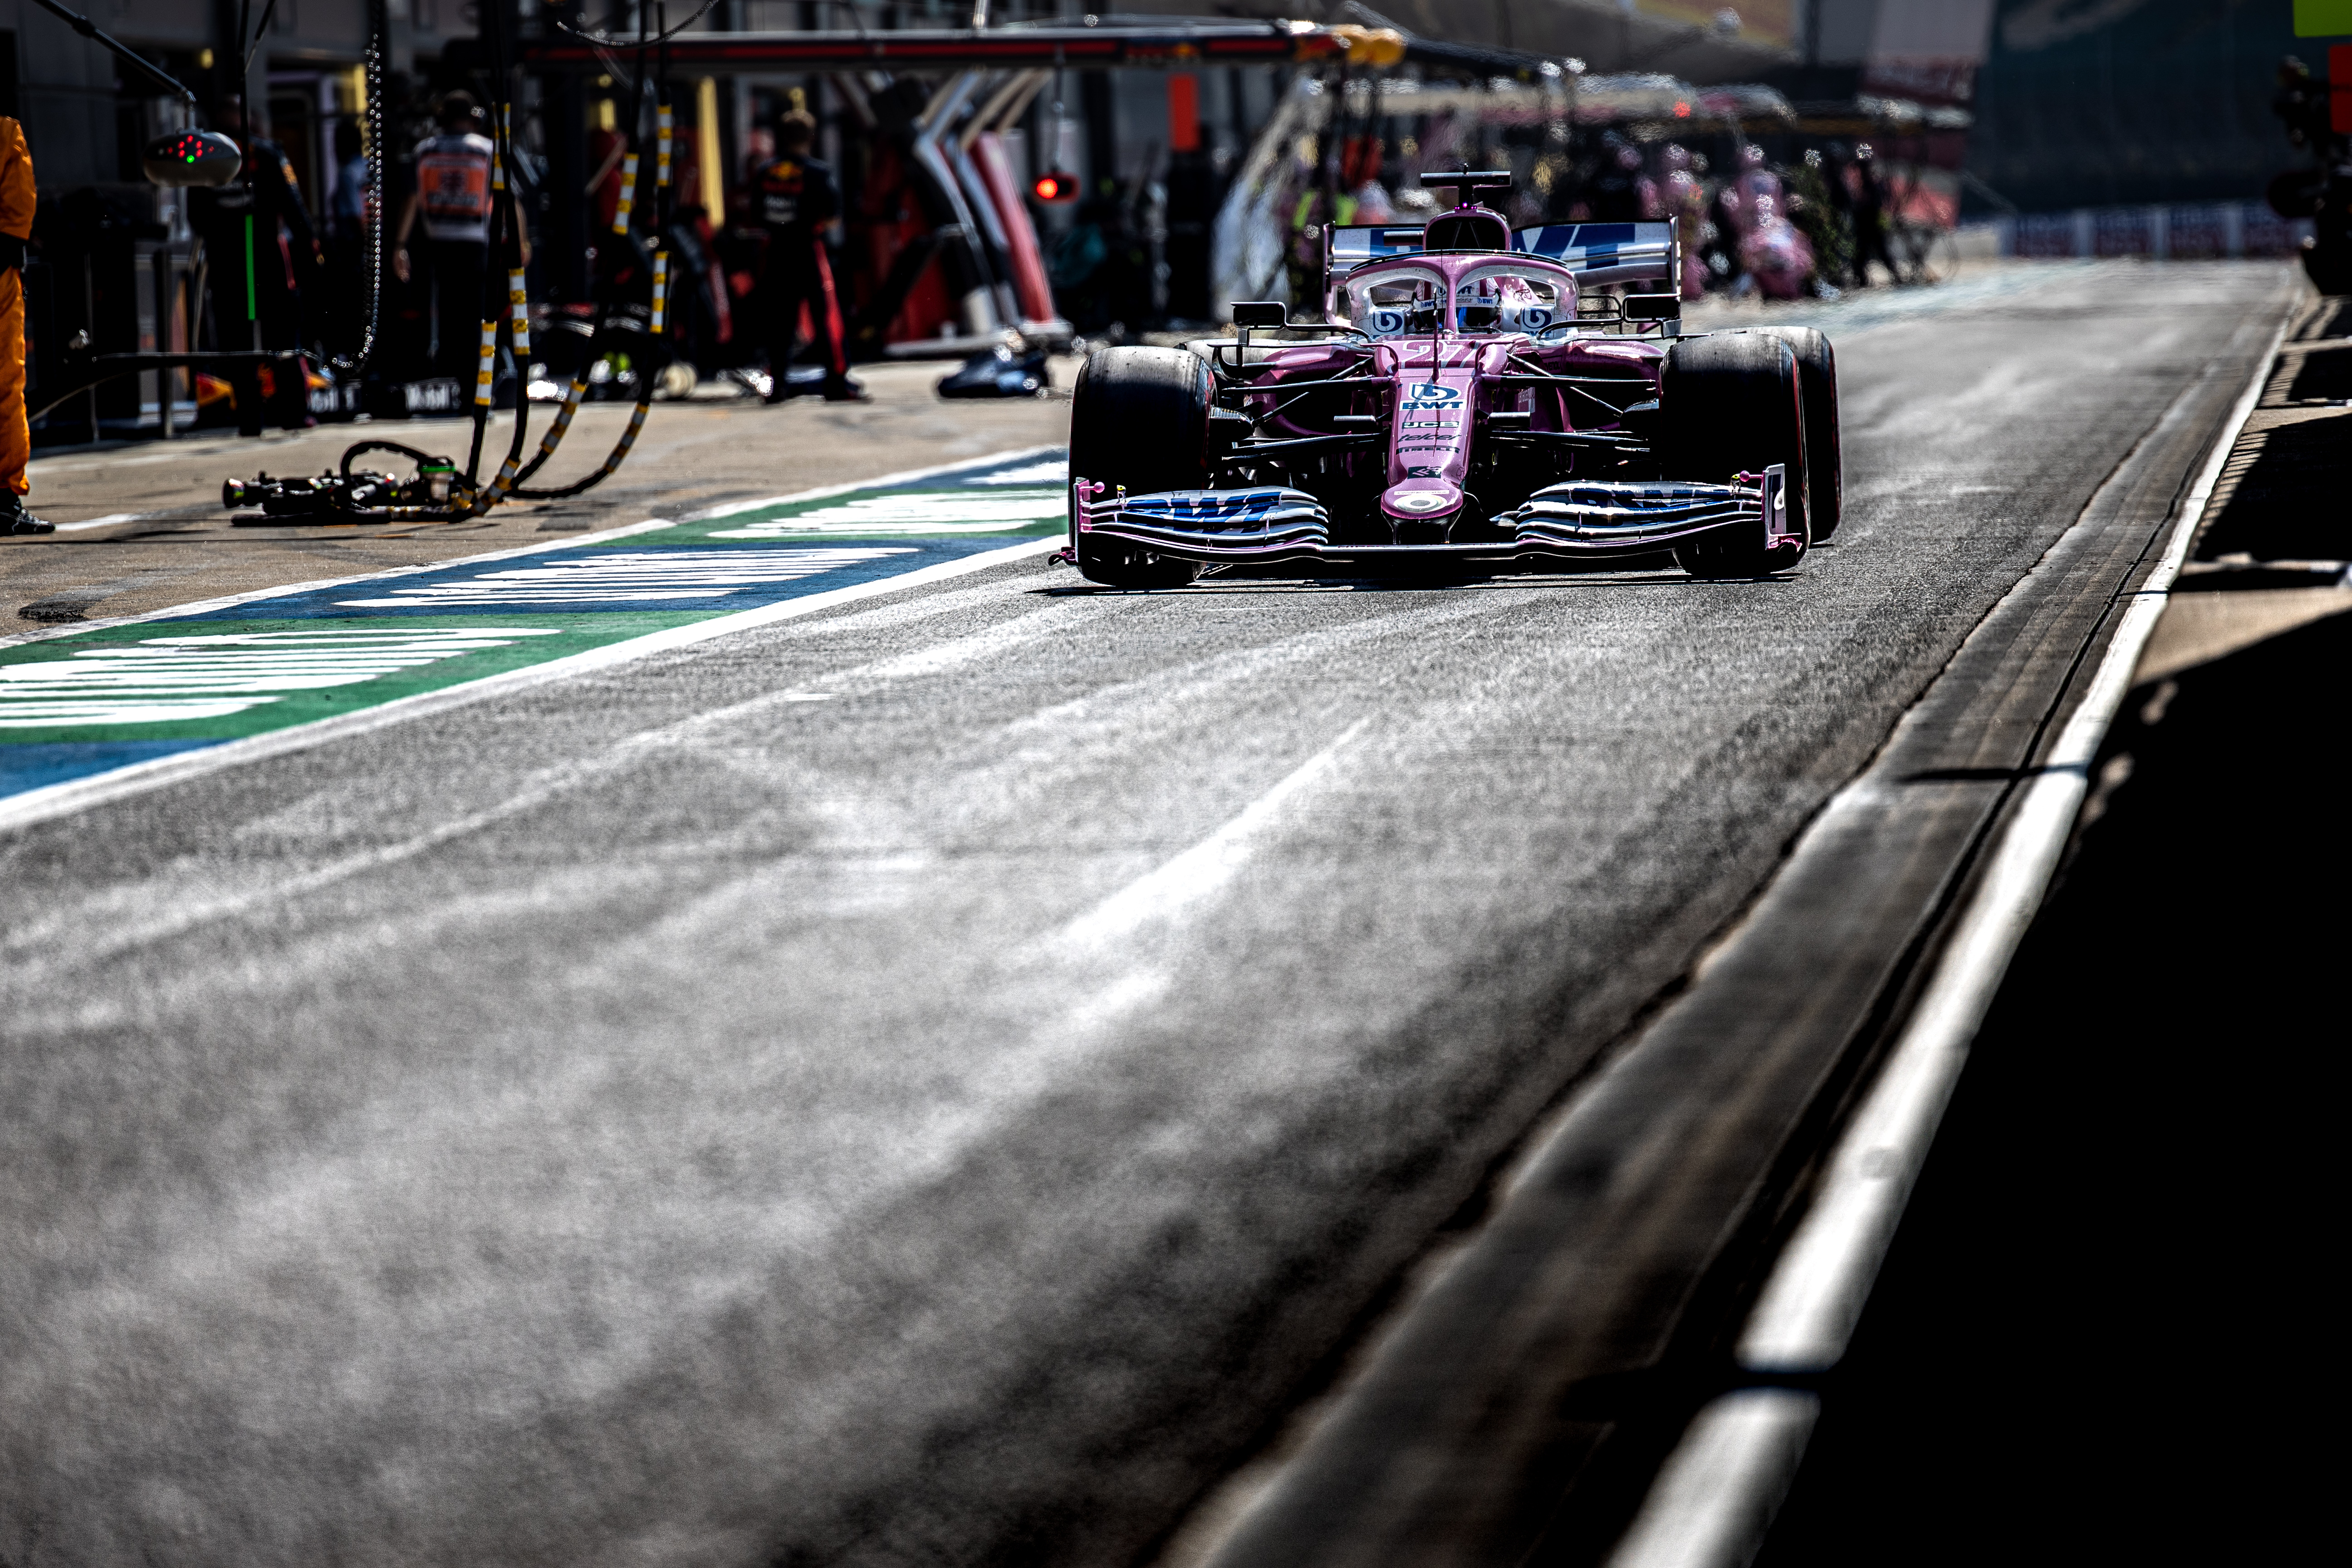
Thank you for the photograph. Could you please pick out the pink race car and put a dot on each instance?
(1472, 393)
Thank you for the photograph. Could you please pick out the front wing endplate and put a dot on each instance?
(1274, 523)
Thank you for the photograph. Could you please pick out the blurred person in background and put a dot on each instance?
(2322, 193)
(1616, 193)
(1751, 182)
(1682, 201)
(1099, 267)
(452, 197)
(16, 200)
(259, 253)
(794, 196)
(1814, 209)
(1869, 211)
(345, 325)
(1773, 252)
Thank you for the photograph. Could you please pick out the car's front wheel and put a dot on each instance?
(1728, 404)
(1824, 464)
(1139, 420)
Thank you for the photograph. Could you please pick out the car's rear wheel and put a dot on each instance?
(1824, 468)
(1138, 419)
(1728, 404)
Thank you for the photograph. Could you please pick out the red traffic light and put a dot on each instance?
(1054, 185)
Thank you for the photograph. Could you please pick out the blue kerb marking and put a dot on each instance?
(25, 766)
(704, 577)
(533, 584)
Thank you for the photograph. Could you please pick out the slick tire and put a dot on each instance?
(1824, 467)
(1138, 418)
(1733, 403)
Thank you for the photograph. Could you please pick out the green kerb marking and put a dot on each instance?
(579, 634)
(172, 681)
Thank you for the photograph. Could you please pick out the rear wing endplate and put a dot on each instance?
(1349, 246)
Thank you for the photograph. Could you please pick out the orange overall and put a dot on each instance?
(16, 219)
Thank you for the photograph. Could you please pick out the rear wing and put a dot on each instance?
(1596, 252)
(1347, 247)
(1607, 252)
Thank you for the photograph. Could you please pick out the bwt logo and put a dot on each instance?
(1430, 392)
(1206, 507)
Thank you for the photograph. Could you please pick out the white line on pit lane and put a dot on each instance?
(172, 679)
(631, 576)
(1717, 1493)
(108, 520)
(923, 512)
(1198, 871)
(78, 794)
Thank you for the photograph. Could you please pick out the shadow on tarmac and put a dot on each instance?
(2102, 1332)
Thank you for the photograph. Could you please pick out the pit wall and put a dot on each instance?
(2201, 231)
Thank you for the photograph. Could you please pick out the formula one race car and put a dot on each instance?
(1472, 394)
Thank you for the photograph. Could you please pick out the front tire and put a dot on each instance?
(1733, 403)
(1138, 419)
(1824, 465)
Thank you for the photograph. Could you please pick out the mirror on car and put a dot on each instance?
(1654, 307)
(1260, 313)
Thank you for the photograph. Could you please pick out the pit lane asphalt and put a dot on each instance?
(660, 1118)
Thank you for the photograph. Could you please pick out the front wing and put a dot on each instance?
(1273, 523)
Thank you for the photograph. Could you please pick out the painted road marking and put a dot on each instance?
(173, 680)
(108, 520)
(629, 577)
(1198, 873)
(1054, 471)
(115, 705)
(919, 513)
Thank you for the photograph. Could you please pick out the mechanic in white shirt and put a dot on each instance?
(453, 196)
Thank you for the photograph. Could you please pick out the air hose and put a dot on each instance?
(450, 496)
(650, 352)
(468, 496)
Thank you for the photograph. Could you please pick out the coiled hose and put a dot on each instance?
(468, 497)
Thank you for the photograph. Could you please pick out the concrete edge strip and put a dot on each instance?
(539, 547)
(1716, 1497)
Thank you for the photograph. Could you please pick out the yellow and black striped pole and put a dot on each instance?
(628, 195)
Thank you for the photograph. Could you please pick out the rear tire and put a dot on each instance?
(1138, 419)
(1824, 468)
(1732, 403)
